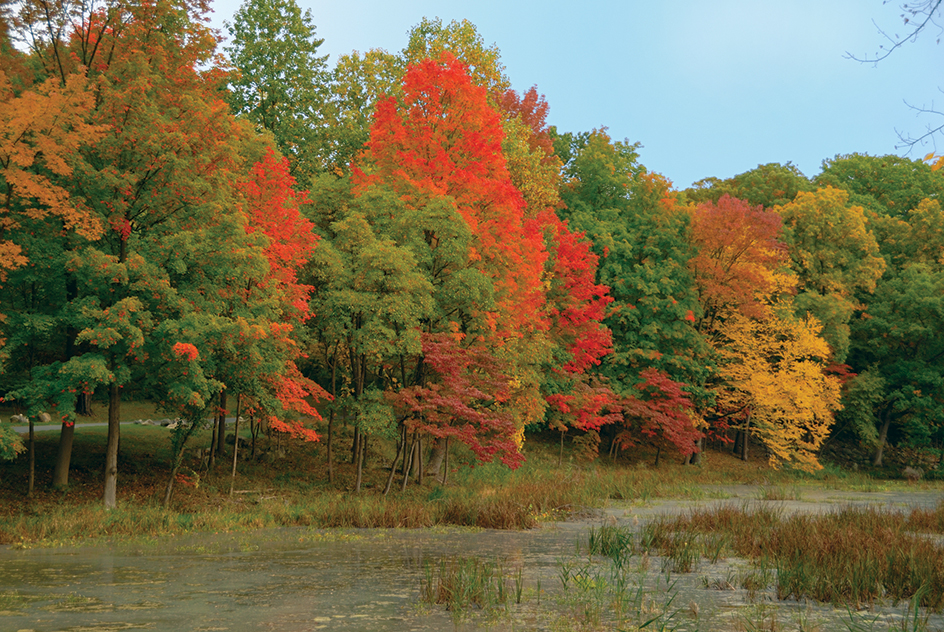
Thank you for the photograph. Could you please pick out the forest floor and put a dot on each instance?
(286, 483)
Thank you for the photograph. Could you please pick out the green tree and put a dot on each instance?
(282, 83)
(357, 83)
(900, 337)
(834, 256)
(886, 185)
(369, 305)
(430, 39)
(767, 185)
(161, 182)
(894, 336)
(642, 239)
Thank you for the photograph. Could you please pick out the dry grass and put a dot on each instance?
(286, 484)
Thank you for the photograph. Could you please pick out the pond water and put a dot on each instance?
(299, 579)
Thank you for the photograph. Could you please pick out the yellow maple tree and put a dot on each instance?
(773, 371)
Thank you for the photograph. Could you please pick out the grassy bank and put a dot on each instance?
(286, 483)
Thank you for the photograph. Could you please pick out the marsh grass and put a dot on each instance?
(911, 620)
(779, 492)
(289, 488)
(12, 602)
(856, 556)
(462, 584)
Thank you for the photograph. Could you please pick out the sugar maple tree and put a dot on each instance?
(577, 305)
(41, 130)
(461, 399)
(661, 412)
(772, 365)
(446, 141)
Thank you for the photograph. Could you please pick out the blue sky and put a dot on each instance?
(710, 88)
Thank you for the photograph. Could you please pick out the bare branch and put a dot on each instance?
(910, 142)
(926, 9)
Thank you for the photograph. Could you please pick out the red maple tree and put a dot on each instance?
(660, 412)
(464, 400)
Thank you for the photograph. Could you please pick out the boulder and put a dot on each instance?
(231, 439)
(912, 473)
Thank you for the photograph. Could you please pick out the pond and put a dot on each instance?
(297, 579)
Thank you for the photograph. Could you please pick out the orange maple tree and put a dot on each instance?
(272, 207)
(441, 143)
(445, 140)
(739, 254)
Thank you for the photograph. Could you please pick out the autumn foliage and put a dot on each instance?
(739, 256)
(469, 275)
(445, 141)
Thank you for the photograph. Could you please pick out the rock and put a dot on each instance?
(44, 418)
(231, 439)
(912, 473)
(19, 419)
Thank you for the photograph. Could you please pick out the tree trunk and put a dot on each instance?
(32, 459)
(360, 463)
(254, 431)
(60, 477)
(560, 454)
(334, 398)
(221, 426)
(445, 462)
(436, 455)
(169, 490)
(658, 454)
(328, 446)
(356, 445)
(417, 471)
(232, 480)
(211, 460)
(746, 439)
(83, 405)
(401, 445)
(695, 457)
(111, 450)
(882, 438)
(408, 464)
(419, 460)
